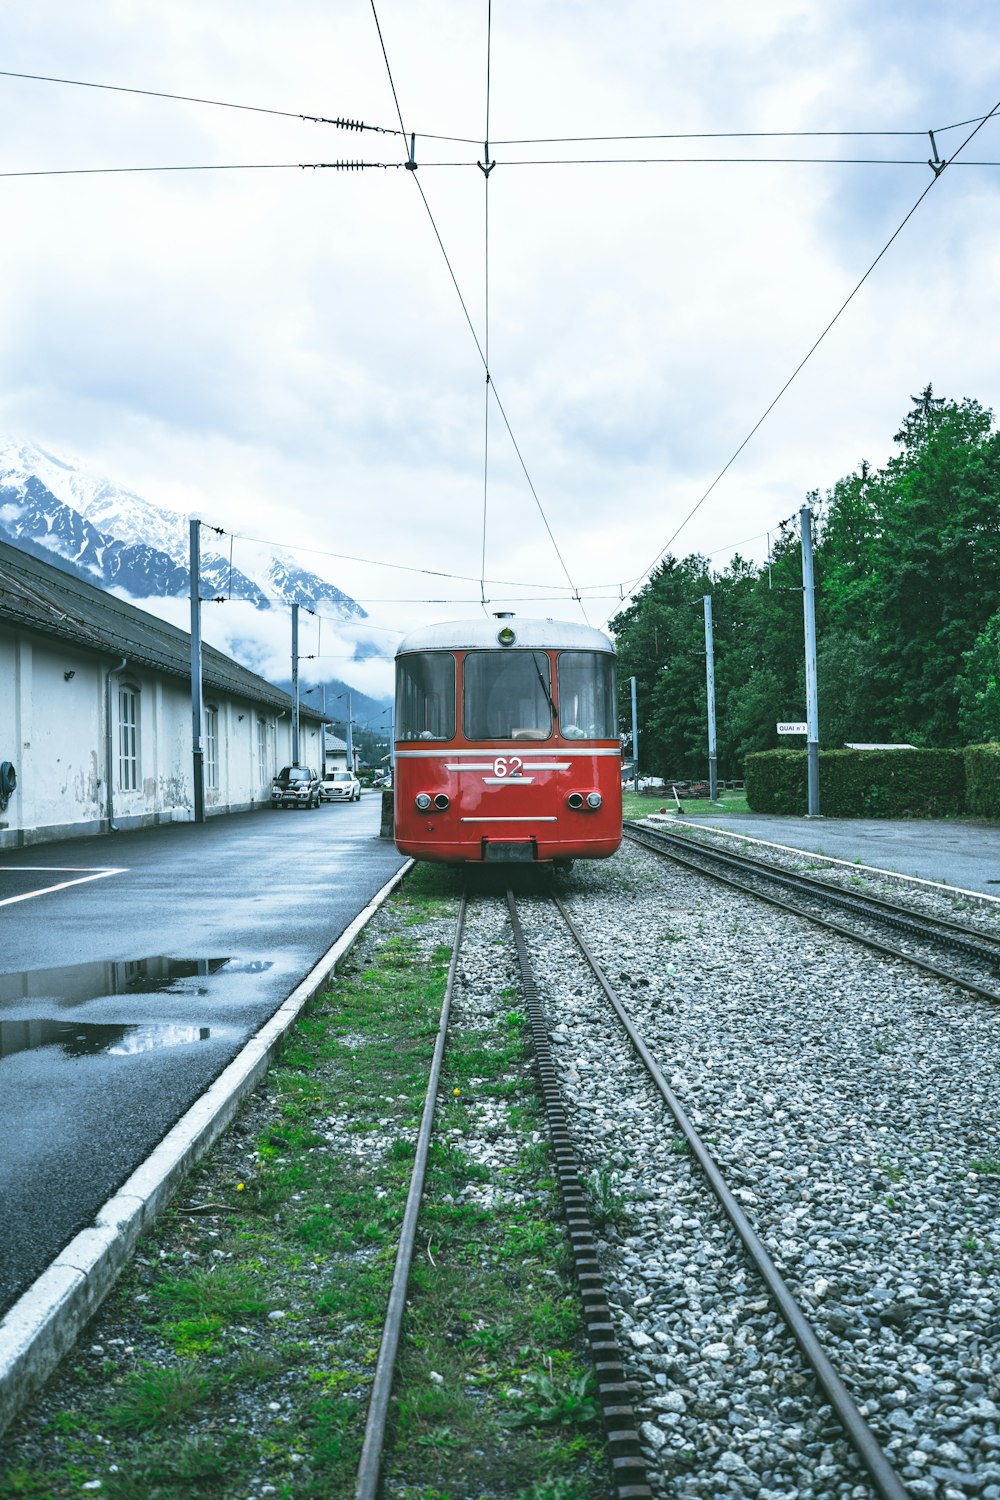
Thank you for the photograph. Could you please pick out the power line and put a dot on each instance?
(802, 363)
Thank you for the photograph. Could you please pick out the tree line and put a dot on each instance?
(907, 569)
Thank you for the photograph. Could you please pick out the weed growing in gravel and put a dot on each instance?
(555, 1489)
(986, 1166)
(557, 1395)
(607, 1205)
(155, 1397)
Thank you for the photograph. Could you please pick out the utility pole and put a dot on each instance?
(635, 740)
(713, 762)
(812, 696)
(197, 740)
(295, 685)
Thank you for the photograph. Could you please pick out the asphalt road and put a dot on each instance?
(116, 1011)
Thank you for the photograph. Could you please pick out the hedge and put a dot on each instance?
(865, 783)
(982, 780)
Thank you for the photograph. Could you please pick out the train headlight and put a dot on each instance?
(506, 636)
(442, 802)
(594, 800)
(575, 800)
(423, 801)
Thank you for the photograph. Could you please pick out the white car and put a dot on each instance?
(340, 786)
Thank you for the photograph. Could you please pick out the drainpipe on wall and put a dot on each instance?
(109, 740)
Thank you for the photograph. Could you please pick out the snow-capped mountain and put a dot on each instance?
(118, 539)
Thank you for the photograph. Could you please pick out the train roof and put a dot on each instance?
(540, 635)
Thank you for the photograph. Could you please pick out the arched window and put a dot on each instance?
(128, 737)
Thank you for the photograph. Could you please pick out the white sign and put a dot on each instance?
(791, 728)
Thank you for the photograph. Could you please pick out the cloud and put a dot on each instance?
(284, 351)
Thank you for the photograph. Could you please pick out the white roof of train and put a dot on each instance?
(540, 635)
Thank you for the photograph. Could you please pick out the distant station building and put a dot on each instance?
(95, 714)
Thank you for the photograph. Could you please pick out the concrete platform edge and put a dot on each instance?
(45, 1322)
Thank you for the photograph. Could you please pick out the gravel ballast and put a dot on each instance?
(850, 1104)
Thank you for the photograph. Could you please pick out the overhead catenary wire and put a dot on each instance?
(257, 109)
(395, 166)
(243, 166)
(349, 124)
(454, 279)
(375, 562)
(810, 352)
(706, 161)
(486, 166)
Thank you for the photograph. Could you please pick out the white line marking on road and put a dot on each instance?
(63, 885)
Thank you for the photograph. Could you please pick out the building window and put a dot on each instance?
(128, 738)
(263, 759)
(212, 749)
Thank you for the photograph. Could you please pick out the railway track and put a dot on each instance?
(615, 1390)
(919, 935)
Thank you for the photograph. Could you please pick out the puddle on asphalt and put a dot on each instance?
(75, 983)
(83, 1040)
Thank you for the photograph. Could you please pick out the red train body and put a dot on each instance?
(506, 743)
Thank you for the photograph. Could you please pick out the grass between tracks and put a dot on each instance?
(234, 1358)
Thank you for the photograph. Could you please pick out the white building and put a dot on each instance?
(95, 714)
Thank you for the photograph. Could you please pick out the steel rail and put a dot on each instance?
(884, 1478)
(628, 1467)
(886, 949)
(957, 935)
(370, 1464)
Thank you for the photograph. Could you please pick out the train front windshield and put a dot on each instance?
(506, 695)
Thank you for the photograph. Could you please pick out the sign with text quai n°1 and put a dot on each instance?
(790, 727)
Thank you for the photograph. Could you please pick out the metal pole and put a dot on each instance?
(322, 733)
(635, 739)
(350, 738)
(295, 684)
(713, 762)
(197, 740)
(812, 696)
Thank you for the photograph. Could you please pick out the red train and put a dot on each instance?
(506, 743)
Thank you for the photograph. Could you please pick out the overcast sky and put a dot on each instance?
(285, 352)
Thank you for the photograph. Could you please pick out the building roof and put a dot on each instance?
(38, 596)
(538, 635)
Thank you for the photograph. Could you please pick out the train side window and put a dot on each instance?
(506, 695)
(425, 696)
(587, 701)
